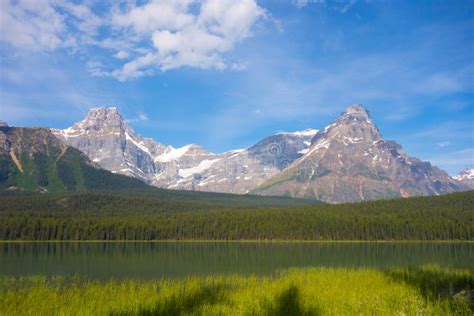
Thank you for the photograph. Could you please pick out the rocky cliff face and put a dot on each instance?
(107, 140)
(349, 161)
(346, 161)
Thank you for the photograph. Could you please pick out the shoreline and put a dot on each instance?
(236, 241)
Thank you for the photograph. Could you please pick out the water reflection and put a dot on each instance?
(175, 259)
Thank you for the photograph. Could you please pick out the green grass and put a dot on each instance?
(312, 291)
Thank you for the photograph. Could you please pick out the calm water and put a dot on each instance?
(165, 259)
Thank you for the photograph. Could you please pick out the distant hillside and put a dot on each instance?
(94, 216)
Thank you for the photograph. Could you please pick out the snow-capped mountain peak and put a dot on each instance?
(466, 177)
(349, 161)
(106, 138)
(466, 174)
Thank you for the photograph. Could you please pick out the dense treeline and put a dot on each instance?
(112, 217)
(150, 199)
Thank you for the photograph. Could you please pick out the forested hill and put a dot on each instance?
(34, 160)
(93, 216)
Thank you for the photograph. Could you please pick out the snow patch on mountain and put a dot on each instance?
(138, 144)
(173, 154)
(307, 132)
(202, 166)
(322, 143)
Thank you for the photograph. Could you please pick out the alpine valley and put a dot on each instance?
(346, 161)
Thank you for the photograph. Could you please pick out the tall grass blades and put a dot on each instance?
(311, 291)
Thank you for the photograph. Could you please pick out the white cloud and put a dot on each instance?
(33, 24)
(303, 3)
(160, 34)
(142, 116)
(121, 54)
(342, 6)
(47, 25)
(136, 68)
(84, 19)
(181, 38)
(172, 15)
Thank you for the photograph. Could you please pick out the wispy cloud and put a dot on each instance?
(443, 144)
(138, 118)
(341, 6)
(303, 3)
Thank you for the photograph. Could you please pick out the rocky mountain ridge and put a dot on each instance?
(346, 161)
(107, 139)
(349, 161)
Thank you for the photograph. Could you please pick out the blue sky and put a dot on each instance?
(224, 74)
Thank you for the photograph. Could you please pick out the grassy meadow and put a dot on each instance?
(428, 290)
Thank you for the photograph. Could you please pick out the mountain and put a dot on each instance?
(349, 161)
(240, 171)
(107, 139)
(346, 161)
(33, 159)
(466, 177)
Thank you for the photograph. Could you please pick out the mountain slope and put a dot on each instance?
(33, 159)
(349, 161)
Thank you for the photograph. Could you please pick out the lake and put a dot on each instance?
(180, 259)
